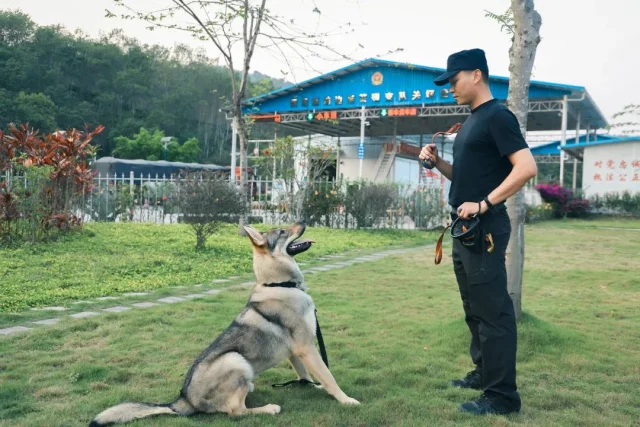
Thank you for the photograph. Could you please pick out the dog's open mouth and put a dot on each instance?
(299, 246)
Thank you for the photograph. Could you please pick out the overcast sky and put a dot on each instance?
(584, 42)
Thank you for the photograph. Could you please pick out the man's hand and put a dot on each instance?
(429, 151)
(468, 209)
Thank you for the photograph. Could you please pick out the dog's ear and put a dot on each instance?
(256, 237)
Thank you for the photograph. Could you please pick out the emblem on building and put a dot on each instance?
(376, 78)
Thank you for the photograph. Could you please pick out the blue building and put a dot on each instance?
(379, 113)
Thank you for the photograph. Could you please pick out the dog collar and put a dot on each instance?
(281, 285)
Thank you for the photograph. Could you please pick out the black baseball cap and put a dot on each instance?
(465, 60)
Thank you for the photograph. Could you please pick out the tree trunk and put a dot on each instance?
(243, 138)
(526, 37)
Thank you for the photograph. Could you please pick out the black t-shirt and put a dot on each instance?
(480, 151)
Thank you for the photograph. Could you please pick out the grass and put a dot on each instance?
(109, 259)
(395, 336)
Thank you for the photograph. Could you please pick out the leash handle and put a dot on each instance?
(439, 245)
(430, 162)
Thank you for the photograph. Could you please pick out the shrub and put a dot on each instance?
(44, 180)
(206, 201)
(563, 201)
(538, 213)
(321, 200)
(367, 201)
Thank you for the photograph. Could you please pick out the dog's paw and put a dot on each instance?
(349, 401)
(272, 409)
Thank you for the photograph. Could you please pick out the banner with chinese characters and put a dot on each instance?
(611, 168)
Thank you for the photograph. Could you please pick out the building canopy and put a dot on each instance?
(402, 98)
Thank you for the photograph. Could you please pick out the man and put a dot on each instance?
(491, 162)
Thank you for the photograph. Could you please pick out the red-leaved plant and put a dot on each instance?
(40, 179)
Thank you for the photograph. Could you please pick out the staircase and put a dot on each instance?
(385, 161)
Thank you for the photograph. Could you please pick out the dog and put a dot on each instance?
(278, 323)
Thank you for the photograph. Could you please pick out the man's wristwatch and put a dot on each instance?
(489, 205)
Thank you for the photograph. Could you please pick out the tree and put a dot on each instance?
(38, 109)
(523, 22)
(149, 146)
(143, 145)
(229, 23)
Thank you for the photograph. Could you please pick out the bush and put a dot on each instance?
(427, 208)
(44, 178)
(207, 200)
(321, 200)
(538, 213)
(624, 203)
(368, 202)
(563, 201)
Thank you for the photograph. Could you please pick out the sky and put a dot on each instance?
(584, 42)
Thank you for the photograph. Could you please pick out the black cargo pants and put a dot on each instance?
(489, 312)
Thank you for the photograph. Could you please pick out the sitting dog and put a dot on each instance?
(278, 323)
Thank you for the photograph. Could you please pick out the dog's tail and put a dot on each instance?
(126, 412)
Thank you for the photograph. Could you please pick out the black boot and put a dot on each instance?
(488, 405)
(472, 380)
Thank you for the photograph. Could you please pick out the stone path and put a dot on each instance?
(334, 264)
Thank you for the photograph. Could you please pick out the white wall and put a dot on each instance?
(611, 168)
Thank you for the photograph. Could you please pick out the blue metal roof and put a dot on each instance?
(372, 62)
(380, 84)
(610, 140)
(553, 148)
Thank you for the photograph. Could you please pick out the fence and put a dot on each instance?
(337, 204)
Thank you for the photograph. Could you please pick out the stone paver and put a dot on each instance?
(13, 330)
(144, 304)
(47, 322)
(220, 281)
(193, 296)
(213, 291)
(171, 300)
(118, 309)
(84, 314)
(135, 294)
(50, 309)
(106, 298)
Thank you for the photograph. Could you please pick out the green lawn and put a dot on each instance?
(109, 259)
(395, 335)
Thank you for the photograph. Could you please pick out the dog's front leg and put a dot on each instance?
(312, 360)
(298, 366)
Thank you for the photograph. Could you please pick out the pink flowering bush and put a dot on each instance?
(563, 201)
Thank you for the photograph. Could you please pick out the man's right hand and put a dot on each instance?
(429, 151)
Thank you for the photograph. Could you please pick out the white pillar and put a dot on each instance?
(575, 159)
(361, 147)
(563, 137)
(234, 141)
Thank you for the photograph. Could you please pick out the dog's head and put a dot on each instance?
(273, 253)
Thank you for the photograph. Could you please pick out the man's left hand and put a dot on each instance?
(468, 209)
